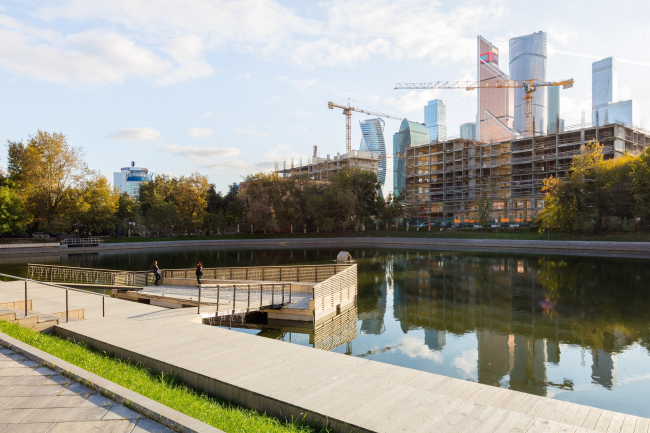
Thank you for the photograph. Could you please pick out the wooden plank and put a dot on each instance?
(642, 425)
(602, 423)
(628, 424)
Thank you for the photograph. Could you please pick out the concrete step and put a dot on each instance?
(46, 326)
(27, 321)
(8, 317)
(78, 314)
(17, 305)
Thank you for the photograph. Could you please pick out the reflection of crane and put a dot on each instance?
(529, 87)
(348, 122)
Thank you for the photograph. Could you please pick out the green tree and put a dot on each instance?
(47, 170)
(392, 208)
(94, 206)
(13, 217)
(128, 210)
(190, 195)
(162, 217)
(160, 188)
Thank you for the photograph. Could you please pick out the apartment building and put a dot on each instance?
(323, 168)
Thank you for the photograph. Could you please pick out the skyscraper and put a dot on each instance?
(554, 111)
(435, 117)
(468, 131)
(495, 107)
(372, 140)
(410, 134)
(605, 106)
(128, 179)
(528, 62)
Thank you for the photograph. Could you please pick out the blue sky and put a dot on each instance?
(229, 88)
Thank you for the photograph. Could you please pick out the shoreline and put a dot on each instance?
(605, 248)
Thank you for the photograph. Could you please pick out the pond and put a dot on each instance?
(569, 327)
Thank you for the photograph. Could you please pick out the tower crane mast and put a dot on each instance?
(529, 87)
(347, 110)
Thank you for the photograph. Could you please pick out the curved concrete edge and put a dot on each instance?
(153, 410)
(531, 247)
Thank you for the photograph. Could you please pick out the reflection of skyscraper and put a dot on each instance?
(528, 373)
(528, 62)
(604, 367)
(495, 356)
(495, 110)
(435, 117)
(410, 134)
(372, 319)
(434, 339)
(372, 140)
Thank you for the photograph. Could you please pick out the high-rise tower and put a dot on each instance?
(605, 106)
(528, 62)
(410, 134)
(495, 107)
(372, 140)
(555, 124)
(435, 117)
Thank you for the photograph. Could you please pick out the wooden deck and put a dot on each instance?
(349, 393)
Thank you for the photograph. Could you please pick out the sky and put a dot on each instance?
(229, 88)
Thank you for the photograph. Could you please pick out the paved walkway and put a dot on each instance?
(36, 399)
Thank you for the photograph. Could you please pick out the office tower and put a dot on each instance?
(410, 134)
(605, 106)
(468, 131)
(604, 83)
(495, 107)
(128, 179)
(435, 117)
(372, 140)
(528, 61)
(554, 111)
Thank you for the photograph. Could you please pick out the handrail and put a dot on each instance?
(26, 280)
(260, 301)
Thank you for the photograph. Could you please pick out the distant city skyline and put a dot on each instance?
(230, 88)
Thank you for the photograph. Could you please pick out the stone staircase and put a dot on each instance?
(14, 312)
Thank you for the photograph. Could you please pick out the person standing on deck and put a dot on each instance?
(156, 271)
(199, 272)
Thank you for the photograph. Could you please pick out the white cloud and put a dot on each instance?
(201, 154)
(415, 348)
(148, 134)
(301, 84)
(202, 133)
(414, 101)
(250, 132)
(467, 362)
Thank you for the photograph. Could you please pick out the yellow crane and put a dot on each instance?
(529, 87)
(347, 110)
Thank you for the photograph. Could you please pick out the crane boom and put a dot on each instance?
(529, 87)
(347, 110)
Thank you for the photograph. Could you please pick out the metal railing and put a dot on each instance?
(302, 273)
(67, 289)
(82, 241)
(89, 276)
(242, 298)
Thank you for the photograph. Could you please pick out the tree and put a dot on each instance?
(47, 170)
(191, 198)
(13, 218)
(162, 217)
(94, 206)
(392, 208)
(160, 188)
(128, 210)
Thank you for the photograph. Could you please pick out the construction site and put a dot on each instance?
(445, 179)
(321, 169)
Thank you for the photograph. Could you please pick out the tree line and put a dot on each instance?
(599, 194)
(49, 187)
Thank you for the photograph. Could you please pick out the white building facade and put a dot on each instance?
(128, 179)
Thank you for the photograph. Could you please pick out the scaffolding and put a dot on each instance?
(444, 180)
(323, 168)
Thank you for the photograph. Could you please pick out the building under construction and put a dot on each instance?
(444, 179)
(323, 168)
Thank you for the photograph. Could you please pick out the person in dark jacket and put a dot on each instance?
(156, 271)
(199, 272)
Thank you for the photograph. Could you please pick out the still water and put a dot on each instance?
(569, 327)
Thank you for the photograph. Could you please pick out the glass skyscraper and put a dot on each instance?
(410, 134)
(372, 140)
(528, 62)
(605, 106)
(435, 118)
(554, 111)
(495, 107)
(468, 131)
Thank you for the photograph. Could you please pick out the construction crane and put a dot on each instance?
(348, 121)
(529, 87)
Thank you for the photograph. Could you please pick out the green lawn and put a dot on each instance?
(507, 234)
(165, 389)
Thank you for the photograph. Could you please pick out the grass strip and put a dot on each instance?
(163, 388)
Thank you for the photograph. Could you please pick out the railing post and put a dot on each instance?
(262, 274)
(247, 275)
(249, 296)
(103, 308)
(290, 292)
(261, 294)
(66, 305)
(199, 308)
(231, 273)
(315, 274)
(298, 274)
(218, 290)
(283, 293)
(280, 274)
(272, 294)
(234, 296)
(25, 298)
